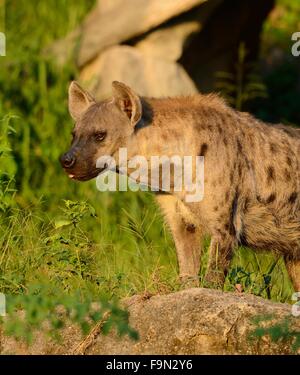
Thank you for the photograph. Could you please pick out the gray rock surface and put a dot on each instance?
(115, 22)
(192, 321)
(169, 41)
(148, 76)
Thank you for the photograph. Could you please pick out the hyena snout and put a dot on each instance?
(68, 160)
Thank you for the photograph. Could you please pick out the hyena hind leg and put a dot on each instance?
(293, 268)
(220, 255)
(187, 238)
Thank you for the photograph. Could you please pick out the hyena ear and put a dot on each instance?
(128, 101)
(79, 100)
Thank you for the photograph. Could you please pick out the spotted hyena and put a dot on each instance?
(252, 172)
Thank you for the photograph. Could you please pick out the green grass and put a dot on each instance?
(112, 259)
(119, 252)
(121, 248)
(281, 68)
(284, 21)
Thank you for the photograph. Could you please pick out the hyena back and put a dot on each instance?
(252, 173)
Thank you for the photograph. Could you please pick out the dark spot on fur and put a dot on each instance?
(246, 204)
(239, 146)
(216, 208)
(221, 218)
(271, 173)
(220, 130)
(293, 197)
(273, 148)
(226, 226)
(225, 141)
(271, 198)
(191, 228)
(240, 169)
(289, 161)
(203, 149)
(287, 175)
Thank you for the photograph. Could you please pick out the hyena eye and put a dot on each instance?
(99, 136)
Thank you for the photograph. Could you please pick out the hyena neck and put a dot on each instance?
(184, 126)
(161, 130)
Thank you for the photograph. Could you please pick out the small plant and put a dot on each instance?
(243, 85)
(281, 331)
(259, 284)
(48, 311)
(74, 212)
(66, 229)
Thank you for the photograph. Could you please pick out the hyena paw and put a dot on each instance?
(189, 282)
(214, 279)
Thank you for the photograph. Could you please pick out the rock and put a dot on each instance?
(203, 36)
(146, 75)
(116, 22)
(197, 321)
(169, 41)
(192, 321)
(108, 5)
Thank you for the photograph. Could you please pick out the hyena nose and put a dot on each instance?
(67, 160)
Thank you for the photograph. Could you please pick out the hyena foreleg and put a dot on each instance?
(187, 238)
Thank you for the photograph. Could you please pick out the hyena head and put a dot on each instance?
(101, 128)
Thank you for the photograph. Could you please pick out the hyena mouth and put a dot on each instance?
(89, 175)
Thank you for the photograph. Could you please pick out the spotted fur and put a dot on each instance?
(252, 175)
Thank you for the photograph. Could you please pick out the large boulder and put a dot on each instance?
(198, 321)
(169, 41)
(115, 22)
(146, 75)
(192, 321)
(202, 35)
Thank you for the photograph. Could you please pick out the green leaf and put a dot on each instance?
(62, 223)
